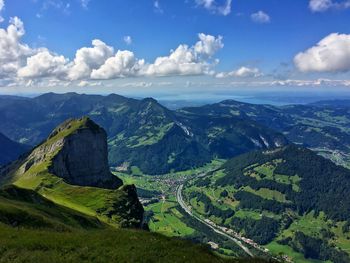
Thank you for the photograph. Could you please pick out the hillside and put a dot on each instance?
(112, 245)
(283, 199)
(34, 229)
(141, 133)
(60, 203)
(323, 127)
(27, 209)
(10, 150)
(70, 168)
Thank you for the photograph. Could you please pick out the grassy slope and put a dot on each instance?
(20, 245)
(25, 208)
(91, 201)
(45, 232)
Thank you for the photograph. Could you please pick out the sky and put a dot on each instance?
(177, 46)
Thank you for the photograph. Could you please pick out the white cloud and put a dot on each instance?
(242, 72)
(260, 17)
(331, 54)
(290, 83)
(140, 84)
(44, 64)
(324, 5)
(123, 64)
(23, 64)
(181, 61)
(2, 6)
(212, 5)
(312, 82)
(89, 58)
(12, 52)
(127, 40)
(85, 83)
(320, 5)
(185, 60)
(208, 45)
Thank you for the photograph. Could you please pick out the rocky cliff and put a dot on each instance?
(82, 157)
(71, 169)
(77, 152)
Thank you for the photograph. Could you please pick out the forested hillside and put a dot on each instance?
(288, 198)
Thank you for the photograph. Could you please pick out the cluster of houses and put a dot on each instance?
(237, 235)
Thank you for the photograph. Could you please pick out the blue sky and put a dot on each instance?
(244, 43)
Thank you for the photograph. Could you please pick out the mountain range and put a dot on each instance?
(145, 134)
(141, 133)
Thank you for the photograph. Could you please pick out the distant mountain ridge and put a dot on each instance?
(319, 126)
(141, 133)
(10, 150)
(332, 103)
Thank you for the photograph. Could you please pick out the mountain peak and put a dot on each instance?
(72, 125)
(75, 151)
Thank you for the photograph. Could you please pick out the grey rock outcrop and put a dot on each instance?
(82, 157)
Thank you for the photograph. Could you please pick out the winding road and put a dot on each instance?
(181, 202)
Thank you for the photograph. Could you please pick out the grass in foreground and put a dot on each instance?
(20, 245)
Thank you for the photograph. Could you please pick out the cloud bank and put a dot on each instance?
(100, 61)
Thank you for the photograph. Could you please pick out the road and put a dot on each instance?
(215, 229)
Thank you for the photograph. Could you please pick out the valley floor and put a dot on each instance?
(167, 214)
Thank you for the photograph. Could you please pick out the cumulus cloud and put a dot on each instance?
(24, 64)
(127, 40)
(208, 45)
(44, 64)
(12, 52)
(324, 5)
(185, 60)
(242, 72)
(331, 54)
(123, 64)
(260, 17)
(89, 58)
(212, 5)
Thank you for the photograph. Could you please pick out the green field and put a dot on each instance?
(167, 220)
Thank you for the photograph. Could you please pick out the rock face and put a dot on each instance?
(82, 157)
